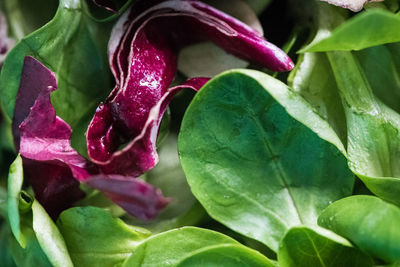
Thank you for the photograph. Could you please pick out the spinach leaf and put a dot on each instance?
(37, 236)
(77, 56)
(95, 238)
(303, 246)
(369, 222)
(373, 135)
(5, 250)
(370, 28)
(190, 246)
(255, 156)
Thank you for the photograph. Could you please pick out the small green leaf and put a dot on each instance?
(370, 28)
(303, 247)
(252, 161)
(95, 238)
(49, 237)
(196, 246)
(15, 180)
(369, 222)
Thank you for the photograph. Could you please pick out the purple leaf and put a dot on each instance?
(353, 5)
(132, 194)
(143, 54)
(53, 167)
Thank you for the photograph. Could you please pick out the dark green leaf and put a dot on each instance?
(95, 238)
(252, 162)
(196, 246)
(369, 222)
(303, 247)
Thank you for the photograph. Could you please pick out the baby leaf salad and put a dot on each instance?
(200, 133)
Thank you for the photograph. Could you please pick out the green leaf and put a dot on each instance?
(49, 237)
(15, 180)
(28, 220)
(5, 250)
(226, 255)
(169, 177)
(76, 54)
(303, 246)
(373, 129)
(313, 79)
(252, 161)
(369, 222)
(370, 28)
(196, 246)
(95, 238)
(32, 254)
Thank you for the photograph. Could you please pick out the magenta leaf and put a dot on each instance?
(53, 167)
(143, 53)
(132, 194)
(5, 43)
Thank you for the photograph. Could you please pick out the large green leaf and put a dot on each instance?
(303, 247)
(369, 222)
(252, 161)
(95, 238)
(190, 246)
(373, 129)
(76, 54)
(370, 28)
(36, 236)
(5, 250)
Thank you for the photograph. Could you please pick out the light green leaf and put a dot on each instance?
(370, 28)
(192, 245)
(226, 255)
(373, 129)
(49, 237)
(77, 56)
(254, 165)
(303, 247)
(369, 222)
(15, 180)
(95, 238)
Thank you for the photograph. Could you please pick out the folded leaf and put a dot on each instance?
(369, 222)
(54, 168)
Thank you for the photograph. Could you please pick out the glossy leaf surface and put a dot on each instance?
(253, 166)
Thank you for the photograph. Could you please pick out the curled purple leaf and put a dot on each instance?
(132, 194)
(143, 58)
(53, 167)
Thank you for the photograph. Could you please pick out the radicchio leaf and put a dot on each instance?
(353, 5)
(53, 167)
(143, 54)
